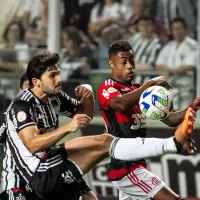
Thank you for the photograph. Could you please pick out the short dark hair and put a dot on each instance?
(119, 46)
(146, 18)
(73, 34)
(23, 78)
(40, 63)
(179, 19)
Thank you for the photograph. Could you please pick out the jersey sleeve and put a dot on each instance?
(68, 105)
(20, 115)
(106, 92)
(2, 129)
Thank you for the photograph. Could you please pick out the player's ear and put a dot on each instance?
(36, 82)
(110, 64)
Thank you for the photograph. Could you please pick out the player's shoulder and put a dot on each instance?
(108, 83)
(25, 98)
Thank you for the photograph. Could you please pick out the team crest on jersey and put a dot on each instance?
(21, 116)
(111, 90)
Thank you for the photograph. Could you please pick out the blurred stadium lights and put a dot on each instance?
(53, 35)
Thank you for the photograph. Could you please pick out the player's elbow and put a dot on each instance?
(120, 105)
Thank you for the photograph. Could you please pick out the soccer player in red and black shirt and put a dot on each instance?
(119, 97)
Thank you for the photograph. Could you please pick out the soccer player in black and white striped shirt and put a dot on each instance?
(51, 170)
(12, 186)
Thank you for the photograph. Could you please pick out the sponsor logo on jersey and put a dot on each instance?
(126, 89)
(21, 116)
(111, 90)
(68, 177)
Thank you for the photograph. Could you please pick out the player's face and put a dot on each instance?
(146, 28)
(50, 81)
(123, 66)
(178, 31)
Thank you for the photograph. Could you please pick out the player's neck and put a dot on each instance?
(40, 95)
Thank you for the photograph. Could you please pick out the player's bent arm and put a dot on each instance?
(35, 141)
(123, 103)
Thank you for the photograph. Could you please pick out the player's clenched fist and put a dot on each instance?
(83, 91)
(79, 121)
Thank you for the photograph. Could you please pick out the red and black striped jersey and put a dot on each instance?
(124, 125)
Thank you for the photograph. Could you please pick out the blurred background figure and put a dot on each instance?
(36, 33)
(104, 14)
(31, 12)
(9, 11)
(145, 44)
(166, 10)
(179, 59)
(14, 52)
(77, 58)
(142, 8)
(109, 35)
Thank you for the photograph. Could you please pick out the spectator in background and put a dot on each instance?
(179, 59)
(104, 14)
(76, 58)
(166, 10)
(85, 7)
(146, 44)
(109, 34)
(14, 40)
(141, 8)
(9, 11)
(36, 34)
(31, 11)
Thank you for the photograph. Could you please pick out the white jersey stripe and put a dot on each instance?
(48, 167)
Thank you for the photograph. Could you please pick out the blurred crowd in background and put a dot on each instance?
(163, 34)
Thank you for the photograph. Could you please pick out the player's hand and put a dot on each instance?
(83, 91)
(196, 103)
(160, 80)
(79, 121)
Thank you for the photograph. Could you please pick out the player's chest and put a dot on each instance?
(46, 117)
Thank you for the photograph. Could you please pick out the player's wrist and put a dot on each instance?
(192, 107)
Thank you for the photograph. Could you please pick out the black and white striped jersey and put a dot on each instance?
(2, 129)
(8, 162)
(146, 51)
(27, 110)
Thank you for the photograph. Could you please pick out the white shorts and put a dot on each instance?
(139, 184)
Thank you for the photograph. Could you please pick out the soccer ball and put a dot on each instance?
(156, 102)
